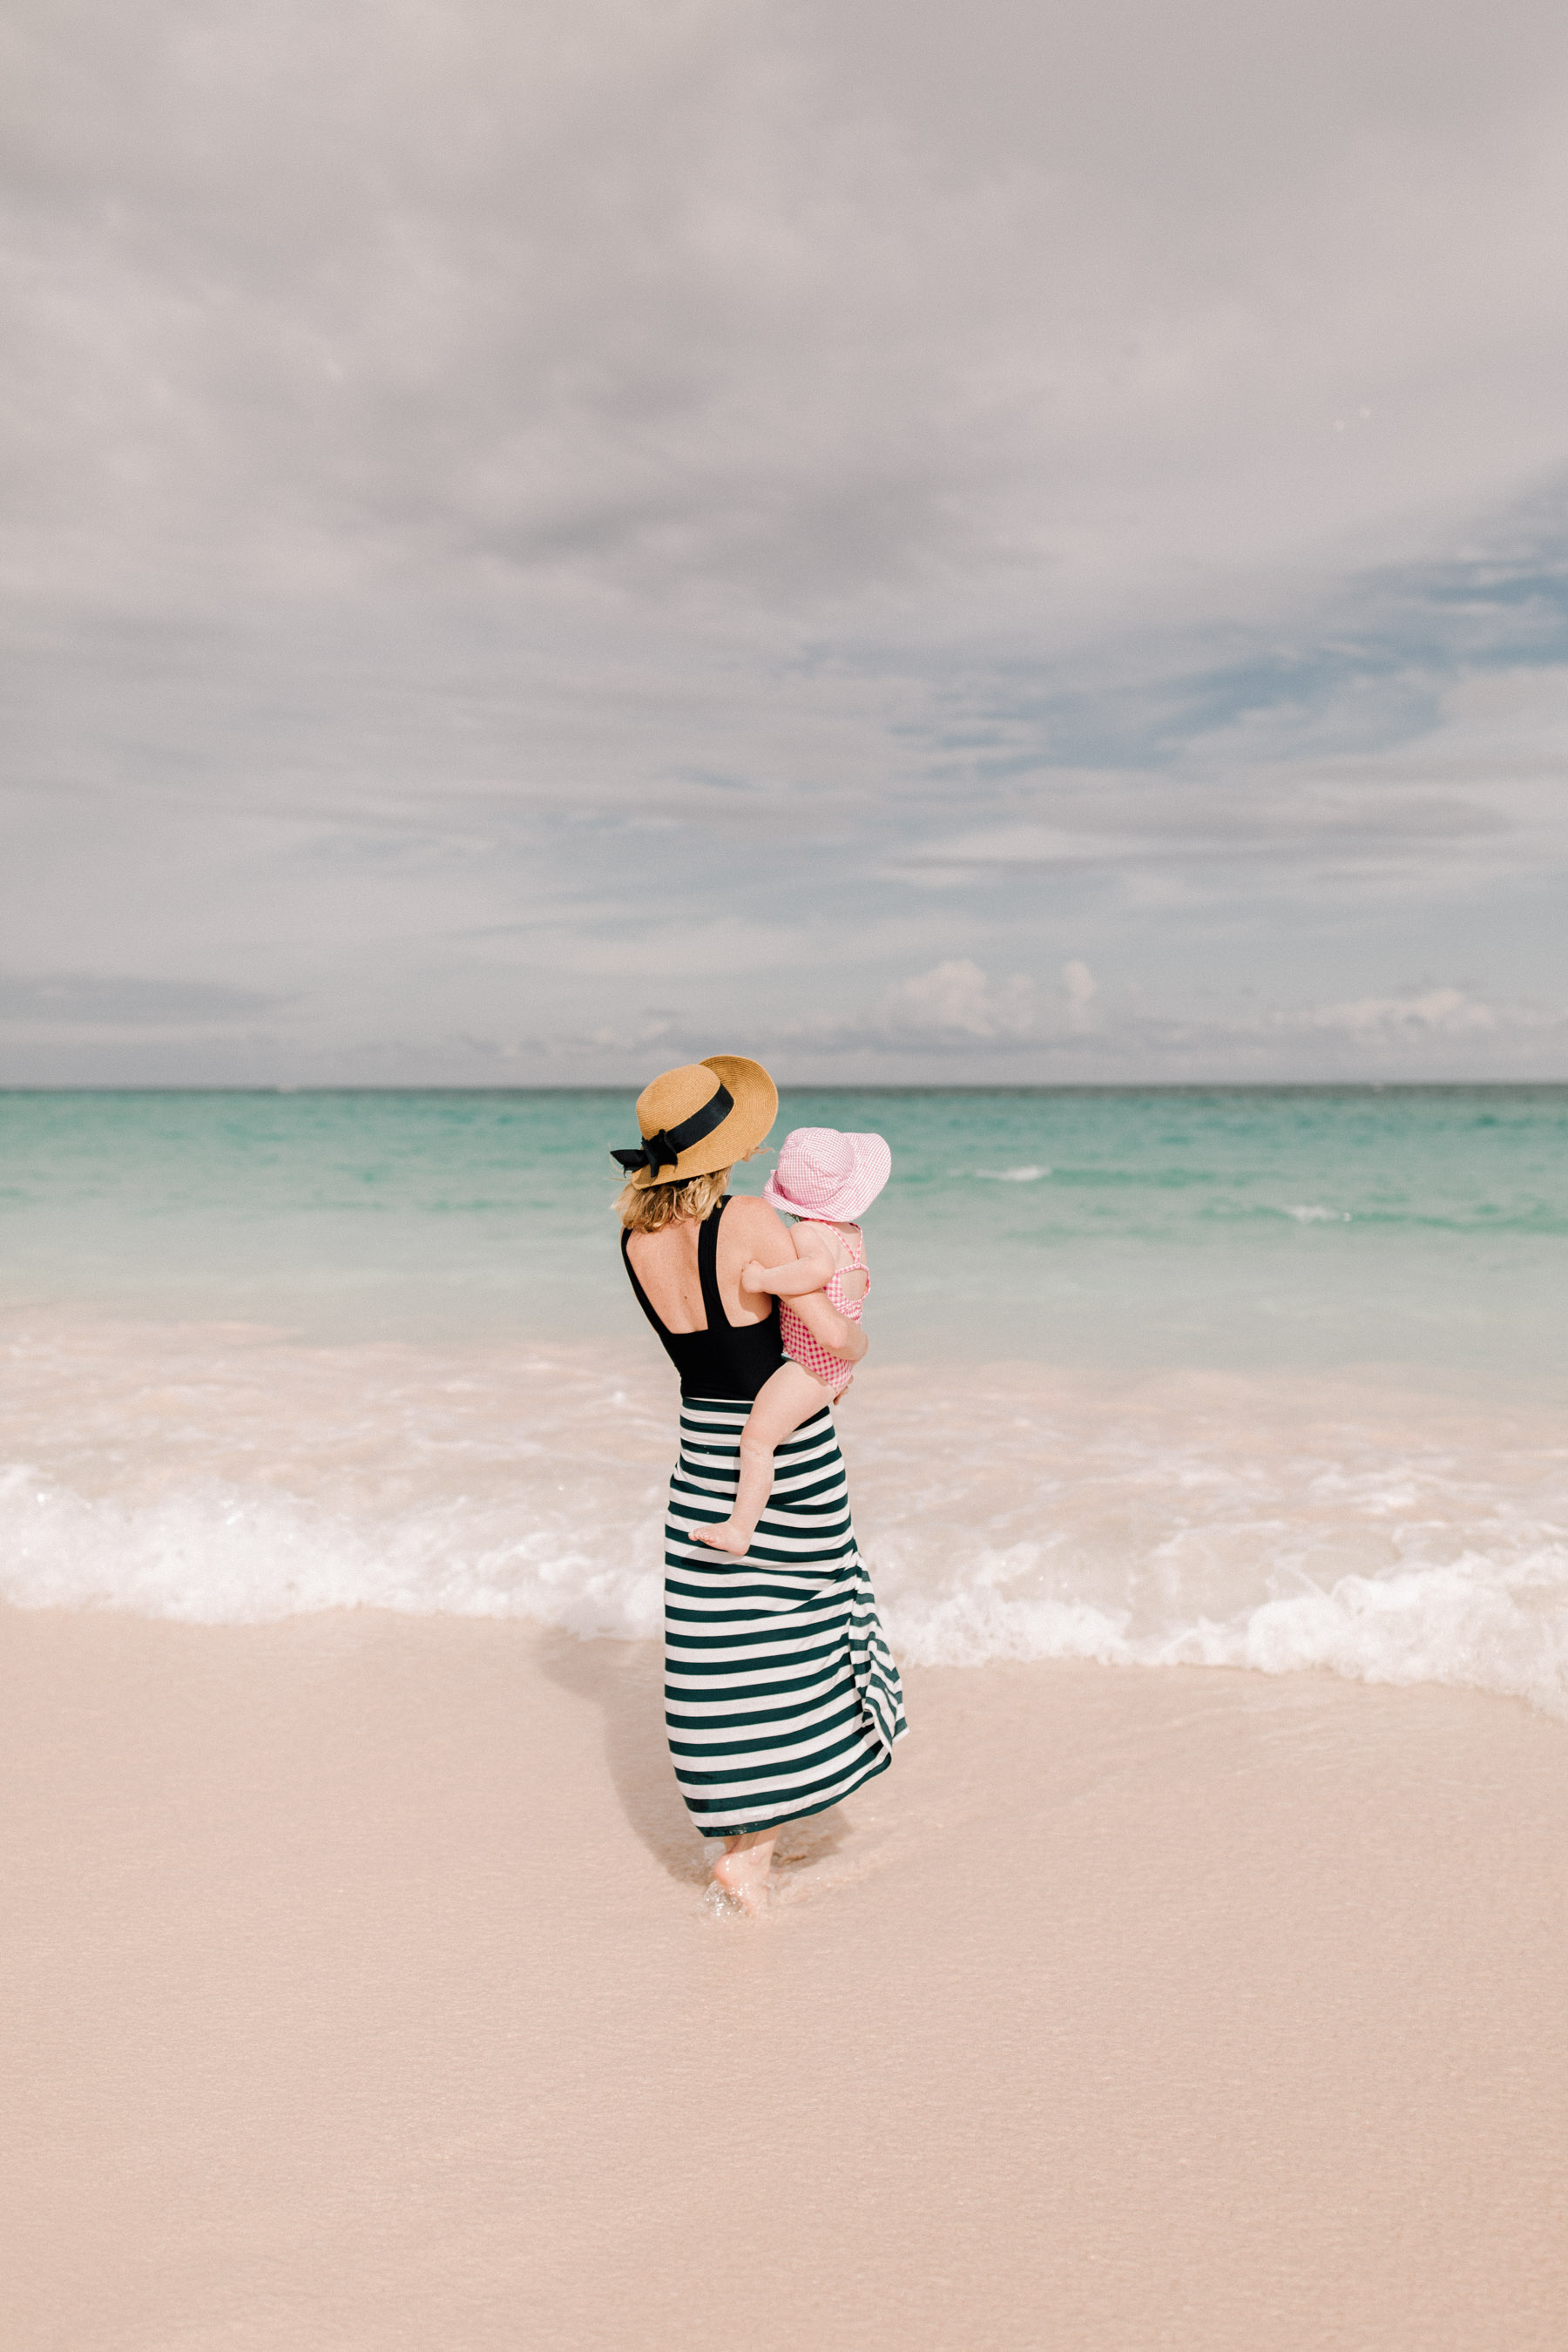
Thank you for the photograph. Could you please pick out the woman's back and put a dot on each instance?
(723, 1340)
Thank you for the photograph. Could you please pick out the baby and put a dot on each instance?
(827, 1180)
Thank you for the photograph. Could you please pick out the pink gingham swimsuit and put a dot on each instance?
(803, 1346)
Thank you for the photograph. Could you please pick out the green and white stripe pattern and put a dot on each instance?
(781, 1694)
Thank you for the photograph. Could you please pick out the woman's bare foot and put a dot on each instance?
(741, 1870)
(727, 1536)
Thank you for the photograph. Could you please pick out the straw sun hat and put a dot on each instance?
(702, 1116)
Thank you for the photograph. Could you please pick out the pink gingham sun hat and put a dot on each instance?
(822, 1173)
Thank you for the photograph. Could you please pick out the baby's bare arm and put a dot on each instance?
(812, 1266)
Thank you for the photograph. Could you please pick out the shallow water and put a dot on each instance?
(1260, 1379)
(1222, 1227)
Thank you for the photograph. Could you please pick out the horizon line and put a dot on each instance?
(841, 1087)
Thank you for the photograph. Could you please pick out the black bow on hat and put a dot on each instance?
(664, 1150)
(655, 1151)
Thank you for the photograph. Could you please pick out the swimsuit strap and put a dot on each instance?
(835, 1283)
(644, 1301)
(706, 1274)
(859, 1257)
(708, 1266)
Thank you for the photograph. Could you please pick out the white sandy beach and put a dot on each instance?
(364, 1996)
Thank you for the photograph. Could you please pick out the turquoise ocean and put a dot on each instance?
(1270, 1377)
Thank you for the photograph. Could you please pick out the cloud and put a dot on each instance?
(956, 1000)
(526, 522)
(727, 302)
(1419, 1032)
(1426, 1017)
(966, 1024)
(1082, 988)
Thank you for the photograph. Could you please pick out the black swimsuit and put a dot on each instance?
(727, 1359)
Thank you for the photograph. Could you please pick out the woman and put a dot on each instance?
(781, 1695)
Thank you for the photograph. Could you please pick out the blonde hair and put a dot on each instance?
(648, 1208)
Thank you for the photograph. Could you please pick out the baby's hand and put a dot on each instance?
(754, 1275)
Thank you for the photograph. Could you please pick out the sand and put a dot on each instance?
(361, 1994)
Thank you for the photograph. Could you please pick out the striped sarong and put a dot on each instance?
(781, 1694)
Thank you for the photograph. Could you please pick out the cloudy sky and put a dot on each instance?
(548, 536)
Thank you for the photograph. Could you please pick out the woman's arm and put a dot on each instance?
(762, 1229)
(837, 1333)
(812, 1266)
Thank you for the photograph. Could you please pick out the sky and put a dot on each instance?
(923, 543)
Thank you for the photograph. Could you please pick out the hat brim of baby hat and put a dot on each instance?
(870, 1166)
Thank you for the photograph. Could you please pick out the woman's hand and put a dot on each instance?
(838, 1333)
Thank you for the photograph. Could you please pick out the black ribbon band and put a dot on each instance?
(664, 1150)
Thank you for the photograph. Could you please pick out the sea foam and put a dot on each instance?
(222, 1476)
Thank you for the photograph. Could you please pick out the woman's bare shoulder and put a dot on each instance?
(813, 1238)
(753, 1217)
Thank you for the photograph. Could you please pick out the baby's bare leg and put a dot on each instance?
(782, 1403)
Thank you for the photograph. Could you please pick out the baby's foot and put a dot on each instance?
(727, 1536)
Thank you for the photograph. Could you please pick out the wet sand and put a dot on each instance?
(361, 1994)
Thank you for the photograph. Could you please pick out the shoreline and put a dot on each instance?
(367, 1996)
(220, 1478)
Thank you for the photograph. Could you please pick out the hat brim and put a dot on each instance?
(874, 1165)
(744, 1126)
